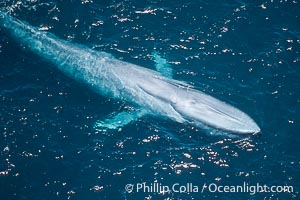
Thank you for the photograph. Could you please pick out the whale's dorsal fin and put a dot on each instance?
(119, 120)
(162, 66)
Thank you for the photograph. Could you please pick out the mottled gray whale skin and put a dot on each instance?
(143, 88)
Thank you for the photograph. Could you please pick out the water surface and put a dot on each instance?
(245, 53)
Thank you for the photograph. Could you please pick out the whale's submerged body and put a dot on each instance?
(149, 91)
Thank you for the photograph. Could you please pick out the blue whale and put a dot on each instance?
(149, 91)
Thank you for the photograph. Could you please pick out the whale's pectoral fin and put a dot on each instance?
(162, 66)
(119, 120)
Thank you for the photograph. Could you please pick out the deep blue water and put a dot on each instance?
(245, 53)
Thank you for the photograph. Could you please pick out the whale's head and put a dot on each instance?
(199, 108)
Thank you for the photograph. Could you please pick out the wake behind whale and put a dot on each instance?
(150, 92)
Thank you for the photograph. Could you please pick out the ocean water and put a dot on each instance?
(246, 53)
